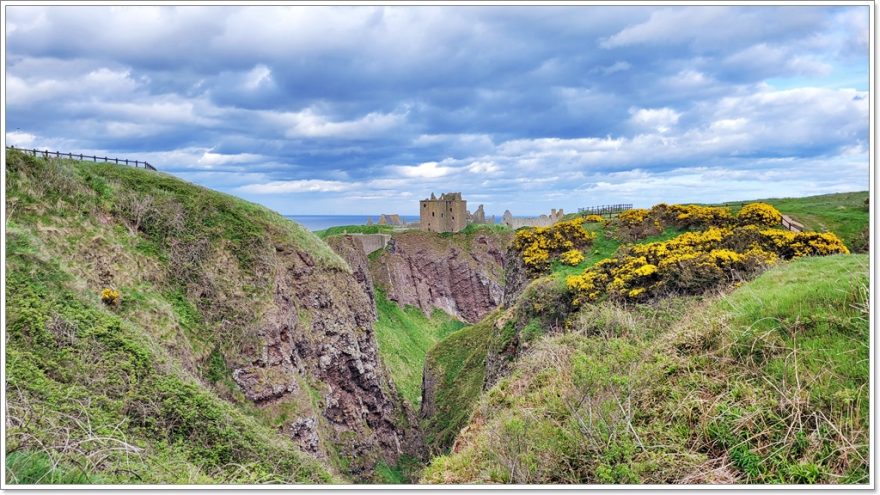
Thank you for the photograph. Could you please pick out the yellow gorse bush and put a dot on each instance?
(759, 214)
(572, 257)
(538, 245)
(691, 216)
(594, 219)
(110, 297)
(695, 261)
(633, 217)
(640, 223)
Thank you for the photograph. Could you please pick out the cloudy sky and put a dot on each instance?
(348, 110)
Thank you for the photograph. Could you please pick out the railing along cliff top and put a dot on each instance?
(605, 209)
(82, 157)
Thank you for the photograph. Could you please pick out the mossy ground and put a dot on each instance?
(459, 365)
(768, 384)
(405, 335)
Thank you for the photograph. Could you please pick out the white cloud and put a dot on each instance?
(309, 123)
(659, 119)
(258, 77)
(211, 159)
(427, 170)
(296, 186)
(20, 139)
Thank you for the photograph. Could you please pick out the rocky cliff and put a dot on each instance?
(461, 274)
(321, 328)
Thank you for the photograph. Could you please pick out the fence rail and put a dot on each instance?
(792, 225)
(605, 210)
(79, 156)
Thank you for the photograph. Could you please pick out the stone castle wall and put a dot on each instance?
(371, 242)
(446, 214)
(539, 221)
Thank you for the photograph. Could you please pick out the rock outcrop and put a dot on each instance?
(320, 332)
(460, 274)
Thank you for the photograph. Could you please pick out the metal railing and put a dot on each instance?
(79, 156)
(605, 210)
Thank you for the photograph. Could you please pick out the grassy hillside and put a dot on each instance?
(405, 335)
(138, 390)
(354, 229)
(766, 385)
(845, 214)
(458, 365)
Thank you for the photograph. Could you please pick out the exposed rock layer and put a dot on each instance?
(461, 274)
(320, 331)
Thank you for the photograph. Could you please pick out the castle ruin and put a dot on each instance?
(539, 221)
(446, 214)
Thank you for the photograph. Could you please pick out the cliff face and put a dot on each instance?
(321, 328)
(462, 274)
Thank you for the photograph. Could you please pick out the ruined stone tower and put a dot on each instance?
(447, 214)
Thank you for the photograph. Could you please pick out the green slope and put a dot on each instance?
(405, 335)
(766, 385)
(458, 364)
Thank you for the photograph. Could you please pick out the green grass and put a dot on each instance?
(845, 214)
(354, 229)
(37, 468)
(405, 335)
(458, 363)
(768, 384)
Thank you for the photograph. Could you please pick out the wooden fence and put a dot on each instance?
(787, 222)
(74, 156)
(605, 210)
(792, 225)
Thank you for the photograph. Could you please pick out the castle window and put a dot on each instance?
(432, 213)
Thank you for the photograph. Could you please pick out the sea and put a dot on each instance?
(321, 222)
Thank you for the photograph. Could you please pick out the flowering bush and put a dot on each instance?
(594, 219)
(572, 257)
(696, 261)
(759, 214)
(538, 245)
(633, 217)
(702, 217)
(110, 297)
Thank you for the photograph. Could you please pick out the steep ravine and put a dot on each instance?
(462, 275)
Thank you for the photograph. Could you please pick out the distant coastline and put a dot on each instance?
(321, 222)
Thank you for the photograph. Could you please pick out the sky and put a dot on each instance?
(366, 110)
